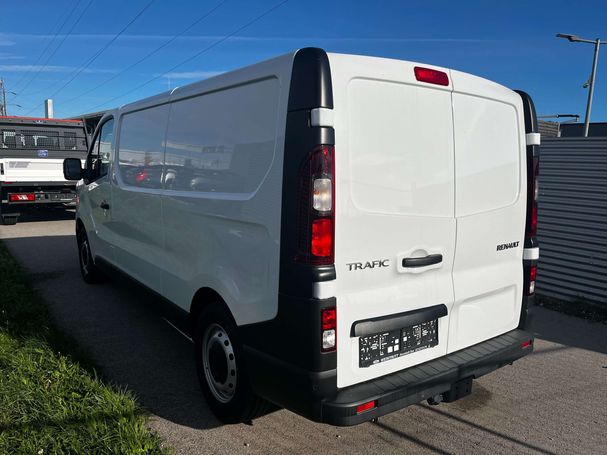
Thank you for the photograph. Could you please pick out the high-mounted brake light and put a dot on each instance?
(328, 322)
(431, 76)
(316, 218)
(22, 197)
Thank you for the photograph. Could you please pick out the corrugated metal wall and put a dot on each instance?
(572, 219)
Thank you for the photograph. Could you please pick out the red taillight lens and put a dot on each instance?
(316, 211)
(431, 76)
(529, 282)
(329, 318)
(22, 197)
(322, 237)
(328, 336)
(532, 196)
(526, 344)
(366, 406)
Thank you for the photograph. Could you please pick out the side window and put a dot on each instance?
(224, 141)
(141, 154)
(98, 161)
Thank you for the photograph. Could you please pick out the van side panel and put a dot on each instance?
(221, 199)
(490, 206)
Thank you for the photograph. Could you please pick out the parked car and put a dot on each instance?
(341, 235)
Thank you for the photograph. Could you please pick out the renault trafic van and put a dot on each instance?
(342, 236)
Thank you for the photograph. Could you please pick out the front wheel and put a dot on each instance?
(90, 273)
(221, 370)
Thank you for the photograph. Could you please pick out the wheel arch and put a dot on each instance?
(204, 297)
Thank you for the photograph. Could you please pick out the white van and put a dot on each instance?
(341, 235)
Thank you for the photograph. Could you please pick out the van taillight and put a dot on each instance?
(529, 282)
(316, 211)
(431, 76)
(533, 191)
(328, 335)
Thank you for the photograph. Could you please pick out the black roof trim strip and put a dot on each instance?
(310, 80)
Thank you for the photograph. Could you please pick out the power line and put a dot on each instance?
(60, 44)
(159, 48)
(198, 54)
(102, 50)
(50, 41)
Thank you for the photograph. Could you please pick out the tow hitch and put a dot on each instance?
(459, 389)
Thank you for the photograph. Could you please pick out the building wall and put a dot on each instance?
(572, 219)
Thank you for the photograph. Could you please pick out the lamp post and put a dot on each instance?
(597, 44)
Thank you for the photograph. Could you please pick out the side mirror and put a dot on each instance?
(72, 169)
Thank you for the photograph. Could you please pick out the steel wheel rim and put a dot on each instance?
(219, 363)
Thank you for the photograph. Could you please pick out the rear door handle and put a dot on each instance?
(431, 259)
(104, 205)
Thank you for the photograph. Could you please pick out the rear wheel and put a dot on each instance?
(221, 370)
(90, 273)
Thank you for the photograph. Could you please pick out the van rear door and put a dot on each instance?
(490, 188)
(395, 224)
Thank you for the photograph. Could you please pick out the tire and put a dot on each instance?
(221, 368)
(89, 271)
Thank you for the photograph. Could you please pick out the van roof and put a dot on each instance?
(234, 77)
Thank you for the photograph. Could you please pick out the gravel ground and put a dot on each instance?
(552, 402)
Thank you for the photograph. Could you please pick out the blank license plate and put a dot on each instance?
(390, 345)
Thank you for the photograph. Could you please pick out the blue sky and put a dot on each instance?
(510, 42)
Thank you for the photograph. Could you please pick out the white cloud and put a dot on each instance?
(10, 37)
(48, 69)
(7, 56)
(5, 41)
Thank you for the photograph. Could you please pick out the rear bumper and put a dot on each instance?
(44, 192)
(315, 395)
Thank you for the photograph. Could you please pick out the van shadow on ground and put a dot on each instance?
(119, 324)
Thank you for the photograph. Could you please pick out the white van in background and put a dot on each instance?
(341, 235)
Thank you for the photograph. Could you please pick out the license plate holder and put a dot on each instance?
(381, 347)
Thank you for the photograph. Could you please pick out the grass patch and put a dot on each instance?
(579, 307)
(51, 400)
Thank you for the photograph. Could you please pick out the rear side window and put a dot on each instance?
(224, 141)
(141, 152)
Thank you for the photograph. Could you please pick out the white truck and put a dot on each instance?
(340, 235)
(32, 151)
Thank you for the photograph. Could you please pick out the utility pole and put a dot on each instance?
(3, 109)
(597, 44)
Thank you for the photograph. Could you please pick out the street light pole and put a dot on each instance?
(597, 45)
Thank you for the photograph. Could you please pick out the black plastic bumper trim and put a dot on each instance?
(418, 383)
(397, 321)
